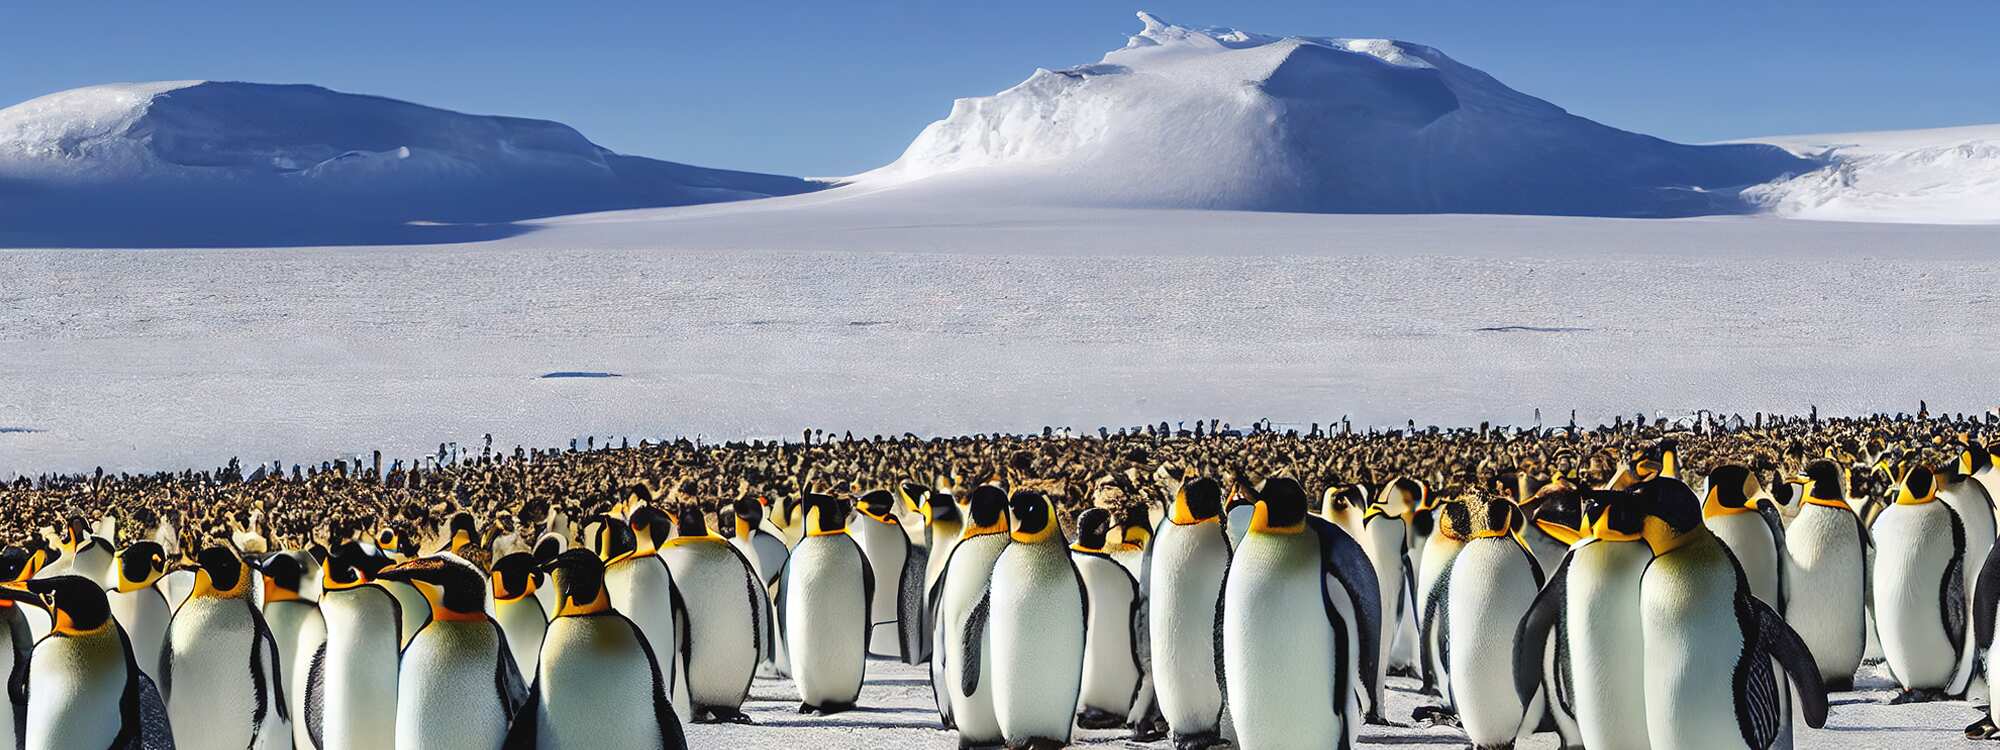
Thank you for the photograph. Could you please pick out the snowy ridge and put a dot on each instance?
(1944, 176)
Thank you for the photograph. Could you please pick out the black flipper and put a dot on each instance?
(1347, 563)
(759, 614)
(975, 640)
(1427, 645)
(1777, 641)
(315, 703)
(912, 616)
(778, 603)
(867, 591)
(933, 601)
(671, 734)
(267, 643)
(1769, 512)
(507, 680)
(1985, 599)
(1951, 594)
(17, 681)
(520, 732)
(1531, 637)
(684, 638)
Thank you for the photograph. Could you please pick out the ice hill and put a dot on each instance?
(1218, 118)
(1941, 176)
(214, 163)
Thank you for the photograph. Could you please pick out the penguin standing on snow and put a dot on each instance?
(726, 611)
(1968, 497)
(16, 644)
(767, 554)
(1709, 644)
(138, 605)
(1826, 557)
(84, 686)
(599, 683)
(296, 625)
(962, 678)
(520, 614)
(1582, 643)
(221, 656)
(898, 565)
(1751, 527)
(1111, 658)
(823, 599)
(1299, 625)
(643, 590)
(1493, 578)
(351, 678)
(1185, 569)
(1384, 534)
(1918, 586)
(1038, 612)
(1443, 547)
(458, 685)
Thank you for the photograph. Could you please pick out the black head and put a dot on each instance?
(1673, 512)
(282, 571)
(455, 589)
(579, 577)
(1281, 506)
(515, 575)
(692, 522)
(349, 564)
(221, 570)
(1199, 499)
(1034, 520)
(1093, 526)
(1559, 512)
(650, 525)
(614, 537)
(987, 509)
(749, 513)
(1614, 515)
(1823, 480)
(1731, 487)
(940, 507)
(13, 564)
(77, 604)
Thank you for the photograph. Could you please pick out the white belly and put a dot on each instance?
(595, 686)
(144, 615)
(641, 588)
(524, 623)
(1382, 537)
(447, 696)
(722, 621)
(75, 686)
(1437, 554)
(416, 609)
(1491, 582)
(1824, 559)
(1693, 642)
(971, 570)
(1110, 668)
(1186, 580)
(826, 615)
(1277, 646)
(1037, 631)
(1750, 540)
(886, 547)
(1606, 651)
(359, 675)
(1912, 552)
(213, 698)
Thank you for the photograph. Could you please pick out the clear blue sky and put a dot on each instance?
(828, 88)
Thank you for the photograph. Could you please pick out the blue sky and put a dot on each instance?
(822, 88)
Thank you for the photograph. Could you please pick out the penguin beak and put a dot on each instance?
(17, 591)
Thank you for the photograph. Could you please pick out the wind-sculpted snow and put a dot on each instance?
(210, 163)
(1945, 176)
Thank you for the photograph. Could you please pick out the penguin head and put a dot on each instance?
(1732, 489)
(76, 604)
(1135, 529)
(1673, 514)
(349, 565)
(610, 537)
(1034, 521)
(1281, 507)
(1198, 501)
(652, 527)
(986, 509)
(1559, 512)
(14, 565)
(878, 505)
(514, 576)
(1919, 486)
(1822, 482)
(579, 578)
(220, 572)
(452, 586)
(1613, 516)
(936, 506)
(284, 575)
(749, 515)
(1093, 527)
(1399, 499)
(1342, 499)
(140, 565)
(1972, 457)
(826, 515)
(462, 533)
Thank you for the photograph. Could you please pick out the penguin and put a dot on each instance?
(1968, 498)
(643, 590)
(90, 556)
(515, 577)
(296, 625)
(221, 655)
(351, 678)
(1751, 527)
(138, 605)
(1111, 659)
(1917, 585)
(1300, 621)
(1710, 645)
(399, 547)
(1385, 530)
(1555, 522)
(458, 685)
(35, 564)
(83, 684)
(823, 600)
(726, 609)
(1135, 532)
(754, 539)
(1581, 642)
(16, 645)
(1185, 569)
(1038, 611)
(784, 518)
(1344, 506)
(1236, 515)
(961, 680)
(1826, 556)
(599, 683)
(943, 525)
(898, 565)
(1443, 547)
(547, 547)
(1493, 578)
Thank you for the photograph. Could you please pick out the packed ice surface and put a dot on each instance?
(1946, 175)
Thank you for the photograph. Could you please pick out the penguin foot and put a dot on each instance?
(1038, 743)
(1434, 716)
(1201, 741)
(1152, 729)
(965, 744)
(1920, 695)
(1839, 685)
(1374, 719)
(1097, 718)
(713, 715)
(1983, 729)
(824, 709)
(1404, 670)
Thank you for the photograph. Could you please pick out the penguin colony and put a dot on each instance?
(1638, 585)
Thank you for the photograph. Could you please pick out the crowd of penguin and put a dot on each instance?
(1639, 585)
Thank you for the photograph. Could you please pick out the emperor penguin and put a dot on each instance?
(17, 644)
(1918, 590)
(898, 565)
(1185, 568)
(351, 678)
(1826, 557)
(1710, 644)
(643, 590)
(1444, 545)
(726, 608)
(138, 605)
(942, 527)
(823, 599)
(962, 679)
(1555, 521)
(1493, 578)
(1968, 497)
(1300, 621)
(458, 686)
(297, 626)
(1751, 527)
(83, 683)
(398, 546)
(516, 576)
(599, 683)
(221, 655)
(1582, 643)
(1038, 612)
(1110, 656)
(754, 539)
(1135, 532)
(84, 554)
(1385, 529)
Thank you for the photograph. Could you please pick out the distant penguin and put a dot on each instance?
(1038, 611)
(898, 565)
(219, 673)
(138, 605)
(515, 580)
(1384, 534)
(1299, 625)
(823, 600)
(599, 683)
(1185, 569)
(84, 688)
(1111, 658)
(1710, 644)
(458, 686)
(351, 679)
(1919, 590)
(1589, 609)
(643, 590)
(961, 678)
(1826, 559)
(726, 608)
(1493, 579)
(296, 625)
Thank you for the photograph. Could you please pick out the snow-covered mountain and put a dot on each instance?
(1220, 118)
(1941, 176)
(246, 163)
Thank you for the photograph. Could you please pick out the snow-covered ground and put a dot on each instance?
(1944, 175)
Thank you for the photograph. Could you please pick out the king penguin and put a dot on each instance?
(1710, 644)
(16, 645)
(221, 655)
(1385, 529)
(1751, 526)
(351, 679)
(1826, 556)
(823, 618)
(599, 683)
(898, 565)
(458, 686)
(297, 626)
(726, 611)
(767, 554)
(515, 579)
(138, 605)
(1038, 610)
(1493, 578)
(1581, 644)
(1300, 621)
(84, 686)
(643, 590)
(1185, 569)
(1968, 497)
(400, 547)
(962, 679)
(1918, 587)
(1110, 657)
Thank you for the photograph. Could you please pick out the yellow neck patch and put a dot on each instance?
(1260, 523)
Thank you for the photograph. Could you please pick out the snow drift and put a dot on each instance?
(1218, 118)
(244, 163)
(1940, 176)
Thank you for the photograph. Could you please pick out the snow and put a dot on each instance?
(1945, 175)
